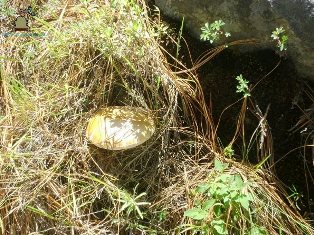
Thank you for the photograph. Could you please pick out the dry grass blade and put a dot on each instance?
(96, 54)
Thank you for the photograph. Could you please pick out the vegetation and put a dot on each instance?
(229, 199)
(243, 87)
(6, 10)
(212, 32)
(52, 181)
(280, 38)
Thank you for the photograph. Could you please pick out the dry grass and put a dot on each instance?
(268, 210)
(93, 55)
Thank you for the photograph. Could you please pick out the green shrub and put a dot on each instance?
(222, 205)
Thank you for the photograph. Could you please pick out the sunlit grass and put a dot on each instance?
(96, 54)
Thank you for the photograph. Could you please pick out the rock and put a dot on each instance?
(246, 19)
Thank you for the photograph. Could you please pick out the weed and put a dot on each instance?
(94, 54)
(228, 151)
(295, 196)
(242, 86)
(222, 203)
(131, 204)
(279, 36)
(212, 32)
(103, 53)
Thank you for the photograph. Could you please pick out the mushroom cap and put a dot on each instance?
(120, 127)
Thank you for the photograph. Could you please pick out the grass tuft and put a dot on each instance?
(95, 54)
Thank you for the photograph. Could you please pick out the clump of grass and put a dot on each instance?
(95, 54)
(228, 198)
(7, 13)
(304, 127)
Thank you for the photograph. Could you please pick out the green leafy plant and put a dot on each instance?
(228, 151)
(279, 36)
(242, 86)
(212, 32)
(132, 203)
(295, 196)
(162, 215)
(221, 204)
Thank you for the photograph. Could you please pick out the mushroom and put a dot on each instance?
(120, 127)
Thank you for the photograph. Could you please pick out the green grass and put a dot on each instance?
(52, 181)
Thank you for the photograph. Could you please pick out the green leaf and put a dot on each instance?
(284, 38)
(227, 199)
(244, 201)
(237, 183)
(208, 204)
(223, 178)
(228, 151)
(234, 194)
(162, 215)
(222, 191)
(218, 209)
(213, 188)
(221, 185)
(236, 217)
(219, 226)
(242, 86)
(257, 231)
(219, 166)
(196, 214)
(202, 188)
(197, 203)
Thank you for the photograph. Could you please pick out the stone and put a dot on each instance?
(246, 19)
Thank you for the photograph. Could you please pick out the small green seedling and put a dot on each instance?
(228, 151)
(279, 36)
(212, 32)
(295, 196)
(242, 86)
